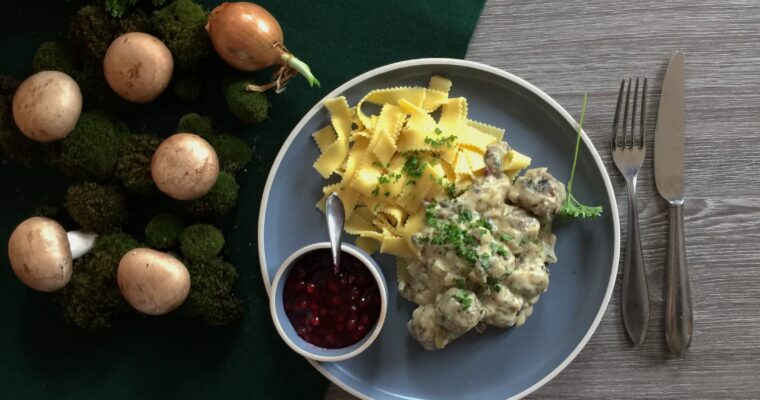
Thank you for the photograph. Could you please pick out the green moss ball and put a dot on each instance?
(249, 107)
(163, 230)
(92, 149)
(217, 202)
(201, 242)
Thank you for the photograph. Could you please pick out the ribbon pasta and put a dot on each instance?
(392, 162)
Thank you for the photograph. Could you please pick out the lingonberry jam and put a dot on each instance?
(328, 309)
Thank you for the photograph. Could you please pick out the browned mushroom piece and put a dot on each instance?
(41, 252)
(153, 282)
(184, 166)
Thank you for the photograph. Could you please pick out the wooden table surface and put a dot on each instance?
(566, 48)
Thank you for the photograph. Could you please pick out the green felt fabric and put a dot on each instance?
(170, 357)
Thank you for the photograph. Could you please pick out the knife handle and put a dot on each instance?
(635, 291)
(678, 312)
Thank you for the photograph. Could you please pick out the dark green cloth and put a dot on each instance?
(168, 357)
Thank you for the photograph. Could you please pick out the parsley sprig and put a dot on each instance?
(572, 208)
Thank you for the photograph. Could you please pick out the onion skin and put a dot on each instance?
(249, 38)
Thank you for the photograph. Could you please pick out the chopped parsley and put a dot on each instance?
(493, 283)
(414, 166)
(485, 261)
(389, 178)
(376, 191)
(499, 250)
(386, 194)
(505, 238)
(451, 190)
(438, 131)
(445, 140)
(459, 282)
(465, 215)
(481, 223)
(464, 299)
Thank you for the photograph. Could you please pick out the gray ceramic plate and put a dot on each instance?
(500, 363)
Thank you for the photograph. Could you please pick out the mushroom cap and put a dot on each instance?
(39, 253)
(138, 66)
(153, 282)
(46, 106)
(184, 166)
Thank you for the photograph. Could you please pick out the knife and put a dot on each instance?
(669, 176)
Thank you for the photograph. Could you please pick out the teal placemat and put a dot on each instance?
(41, 357)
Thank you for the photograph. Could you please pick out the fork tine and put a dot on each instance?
(617, 116)
(643, 123)
(633, 113)
(625, 114)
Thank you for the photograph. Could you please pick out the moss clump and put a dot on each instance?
(219, 201)
(211, 295)
(54, 56)
(181, 26)
(133, 166)
(197, 124)
(187, 87)
(233, 152)
(92, 149)
(249, 107)
(163, 230)
(15, 145)
(92, 296)
(201, 242)
(96, 207)
(91, 31)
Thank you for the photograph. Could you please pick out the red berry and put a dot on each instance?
(351, 325)
(311, 288)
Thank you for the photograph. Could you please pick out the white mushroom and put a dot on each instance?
(41, 252)
(46, 106)
(153, 282)
(184, 166)
(138, 67)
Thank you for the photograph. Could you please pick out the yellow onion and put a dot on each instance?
(248, 38)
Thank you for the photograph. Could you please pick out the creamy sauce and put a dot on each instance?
(483, 254)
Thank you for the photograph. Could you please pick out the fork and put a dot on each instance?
(628, 154)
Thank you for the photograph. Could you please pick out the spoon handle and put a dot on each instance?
(335, 219)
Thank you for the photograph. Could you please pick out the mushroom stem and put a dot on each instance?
(80, 242)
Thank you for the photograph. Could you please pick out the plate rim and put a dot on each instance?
(503, 74)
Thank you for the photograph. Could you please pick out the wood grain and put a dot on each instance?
(567, 48)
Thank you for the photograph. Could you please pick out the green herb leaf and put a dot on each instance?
(572, 208)
(505, 238)
(447, 140)
(464, 299)
(438, 131)
(465, 215)
(485, 261)
(414, 166)
(493, 283)
(376, 191)
(459, 282)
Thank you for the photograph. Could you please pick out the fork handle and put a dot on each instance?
(635, 291)
(678, 312)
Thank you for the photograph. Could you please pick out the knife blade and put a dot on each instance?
(669, 133)
(669, 177)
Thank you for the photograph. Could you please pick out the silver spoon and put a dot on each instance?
(335, 219)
